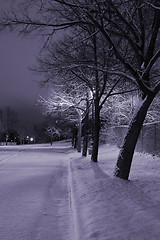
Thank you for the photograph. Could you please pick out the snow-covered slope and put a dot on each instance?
(108, 208)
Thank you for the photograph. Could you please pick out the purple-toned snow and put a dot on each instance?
(66, 196)
(109, 208)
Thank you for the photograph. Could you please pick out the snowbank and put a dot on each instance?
(108, 208)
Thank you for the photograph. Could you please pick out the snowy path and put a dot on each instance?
(34, 194)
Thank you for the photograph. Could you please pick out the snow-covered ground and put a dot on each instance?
(51, 192)
(34, 199)
(109, 208)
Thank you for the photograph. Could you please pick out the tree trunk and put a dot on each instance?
(124, 161)
(75, 142)
(96, 129)
(85, 140)
(74, 136)
(79, 134)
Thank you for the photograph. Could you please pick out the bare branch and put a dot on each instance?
(123, 92)
(152, 5)
(109, 93)
(151, 62)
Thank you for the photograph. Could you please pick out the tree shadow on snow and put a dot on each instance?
(98, 172)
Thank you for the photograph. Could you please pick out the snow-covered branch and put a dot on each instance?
(64, 102)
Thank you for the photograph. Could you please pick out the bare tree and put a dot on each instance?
(73, 103)
(130, 25)
(83, 61)
(53, 132)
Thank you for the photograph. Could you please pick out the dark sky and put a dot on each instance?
(16, 80)
(17, 83)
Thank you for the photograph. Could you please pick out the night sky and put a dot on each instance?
(19, 87)
(17, 82)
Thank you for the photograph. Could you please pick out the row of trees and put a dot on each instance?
(17, 125)
(107, 47)
(8, 120)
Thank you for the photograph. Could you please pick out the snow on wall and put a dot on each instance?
(149, 139)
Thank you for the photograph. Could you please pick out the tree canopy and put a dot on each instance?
(126, 31)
